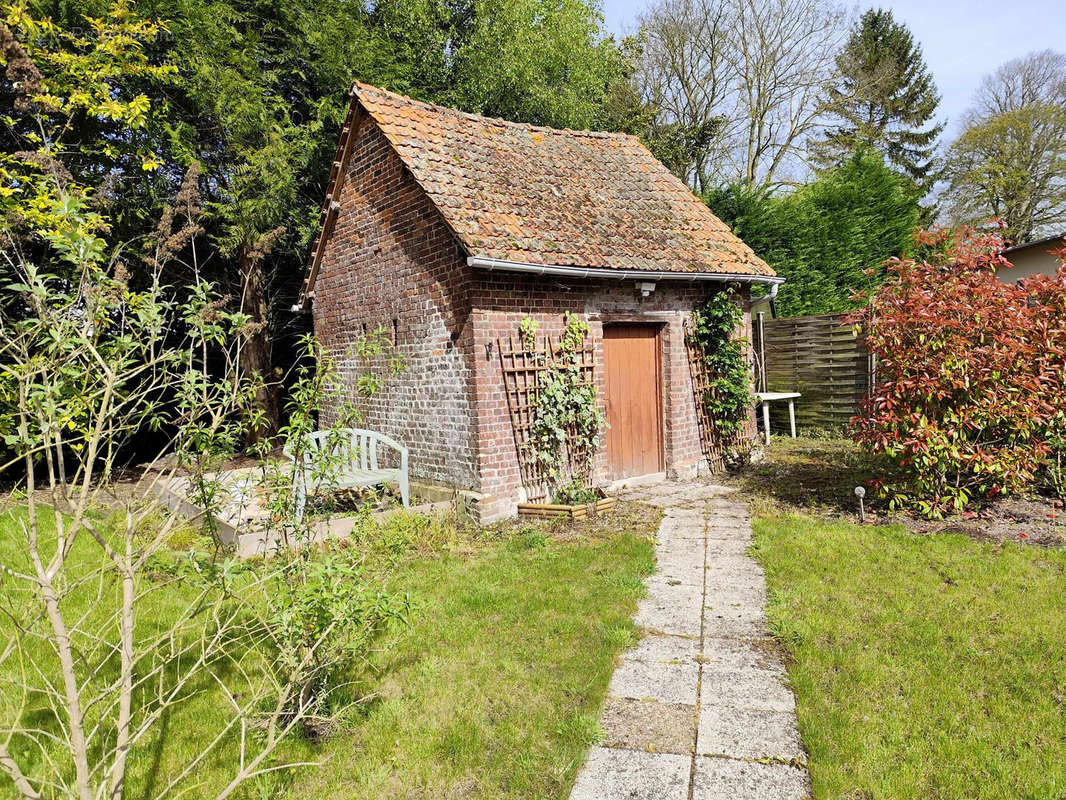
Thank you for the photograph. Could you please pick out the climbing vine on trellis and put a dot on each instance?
(552, 396)
(567, 420)
(723, 382)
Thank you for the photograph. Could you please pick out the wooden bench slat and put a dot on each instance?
(357, 452)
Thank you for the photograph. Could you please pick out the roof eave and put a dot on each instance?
(331, 205)
(611, 273)
(1046, 240)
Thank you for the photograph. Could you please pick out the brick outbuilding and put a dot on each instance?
(446, 229)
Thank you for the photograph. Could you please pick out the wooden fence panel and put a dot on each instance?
(822, 358)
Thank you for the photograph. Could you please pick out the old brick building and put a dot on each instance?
(446, 229)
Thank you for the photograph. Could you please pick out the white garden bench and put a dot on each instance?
(353, 464)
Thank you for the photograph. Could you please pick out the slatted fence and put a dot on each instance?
(822, 358)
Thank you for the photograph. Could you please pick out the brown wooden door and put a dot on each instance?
(634, 402)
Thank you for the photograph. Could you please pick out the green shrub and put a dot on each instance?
(971, 393)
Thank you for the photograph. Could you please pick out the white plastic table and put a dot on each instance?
(765, 398)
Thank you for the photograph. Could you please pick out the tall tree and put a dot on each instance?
(784, 63)
(1009, 162)
(264, 91)
(685, 77)
(258, 97)
(546, 62)
(884, 99)
(267, 83)
(740, 85)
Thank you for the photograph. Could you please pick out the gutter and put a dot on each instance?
(492, 264)
(769, 298)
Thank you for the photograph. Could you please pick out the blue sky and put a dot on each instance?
(962, 41)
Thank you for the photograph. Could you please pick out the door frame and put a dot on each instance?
(659, 326)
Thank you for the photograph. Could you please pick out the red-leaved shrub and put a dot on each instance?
(970, 399)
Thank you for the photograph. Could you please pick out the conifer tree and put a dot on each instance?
(884, 99)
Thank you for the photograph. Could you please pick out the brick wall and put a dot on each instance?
(392, 262)
(500, 300)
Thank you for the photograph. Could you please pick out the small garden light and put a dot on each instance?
(860, 493)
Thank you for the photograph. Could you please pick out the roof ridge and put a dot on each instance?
(359, 87)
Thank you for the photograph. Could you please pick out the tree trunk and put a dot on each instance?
(257, 351)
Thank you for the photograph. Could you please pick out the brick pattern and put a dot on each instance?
(501, 300)
(392, 258)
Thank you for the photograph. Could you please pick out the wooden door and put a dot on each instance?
(634, 400)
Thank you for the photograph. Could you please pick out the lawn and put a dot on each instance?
(492, 690)
(924, 666)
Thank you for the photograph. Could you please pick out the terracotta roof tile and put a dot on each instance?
(518, 192)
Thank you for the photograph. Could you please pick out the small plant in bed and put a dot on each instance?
(322, 618)
(576, 493)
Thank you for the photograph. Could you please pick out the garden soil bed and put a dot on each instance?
(1031, 520)
(818, 475)
(578, 511)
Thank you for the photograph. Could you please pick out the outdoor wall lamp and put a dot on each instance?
(646, 288)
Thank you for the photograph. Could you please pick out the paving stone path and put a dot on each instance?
(699, 710)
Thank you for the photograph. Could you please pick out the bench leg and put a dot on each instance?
(300, 490)
(766, 421)
(405, 491)
(792, 417)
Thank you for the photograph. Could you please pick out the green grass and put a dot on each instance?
(924, 667)
(493, 690)
(89, 600)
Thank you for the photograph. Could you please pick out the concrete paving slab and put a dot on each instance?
(740, 533)
(747, 733)
(734, 572)
(756, 690)
(676, 551)
(729, 779)
(730, 655)
(622, 774)
(720, 548)
(656, 649)
(684, 537)
(718, 524)
(723, 622)
(685, 588)
(751, 593)
(686, 554)
(727, 514)
(662, 615)
(649, 725)
(665, 683)
(695, 513)
(692, 574)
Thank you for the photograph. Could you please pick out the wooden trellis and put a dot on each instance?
(522, 368)
(714, 448)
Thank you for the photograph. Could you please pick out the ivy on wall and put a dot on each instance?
(727, 399)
